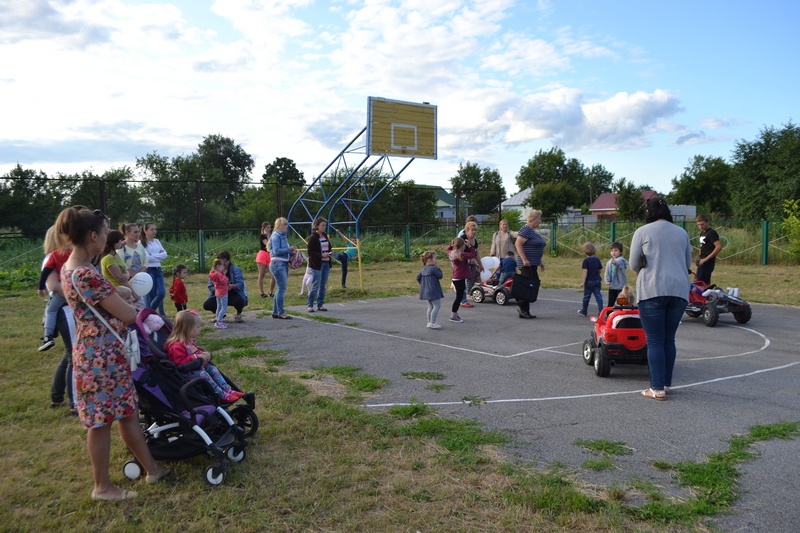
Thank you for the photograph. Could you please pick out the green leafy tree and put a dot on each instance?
(283, 171)
(551, 166)
(122, 198)
(704, 183)
(630, 202)
(29, 201)
(598, 180)
(222, 153)
(553, 199)
(766, 173)
(483, 188)
(791, 224)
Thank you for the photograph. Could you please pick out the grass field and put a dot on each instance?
(319, 462)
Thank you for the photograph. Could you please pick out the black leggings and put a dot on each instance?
(460, 285)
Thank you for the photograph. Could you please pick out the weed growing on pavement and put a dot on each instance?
(424, 375)
(604, 447)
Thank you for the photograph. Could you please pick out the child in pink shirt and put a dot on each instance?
(220, 281)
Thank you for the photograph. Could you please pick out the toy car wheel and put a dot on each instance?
(477, 295)
(602, 366)
(588, 352)
(694, 314)
(710, 314)
(132, 469)
(743, 316)
(215, 474)
(246, 419)
(501, 297)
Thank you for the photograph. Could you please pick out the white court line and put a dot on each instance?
(597, 395)
(763, 347)
(441, 345)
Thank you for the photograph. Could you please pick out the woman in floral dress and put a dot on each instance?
(103, 383)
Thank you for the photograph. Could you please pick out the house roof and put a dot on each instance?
(443, 198)
(608, 201)
(518, 199)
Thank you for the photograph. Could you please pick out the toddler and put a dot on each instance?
(220, 282)
(460, 259)
(615, 276)
(591, 279)
(507, 268)
(193, 361)
(178, 290)
(429, 287)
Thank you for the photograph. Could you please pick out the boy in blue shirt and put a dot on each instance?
(591, 279)
(507, 268)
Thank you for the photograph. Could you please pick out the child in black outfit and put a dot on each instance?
(591, 279)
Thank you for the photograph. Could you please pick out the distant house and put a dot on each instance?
(446, 205)
(605, 207)
(515, 203)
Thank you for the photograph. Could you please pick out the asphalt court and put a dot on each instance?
(527, 378)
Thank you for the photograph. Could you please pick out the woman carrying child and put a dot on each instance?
(460, 259)
(56, 254)
(429, 287)
(178, 289)
(193, 361)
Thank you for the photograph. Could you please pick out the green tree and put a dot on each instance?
(483, 188)
(553, 199)
(598, 180)
(766, 172)
(704, 183)
(552, 166)
(29, 201)
(223, 154)
(283, 171)
(629, 199)
(122, 198)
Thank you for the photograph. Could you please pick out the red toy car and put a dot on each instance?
(617, 338)
(499, 293)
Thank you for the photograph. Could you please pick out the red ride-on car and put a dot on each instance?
(709, 301)
(617, 338)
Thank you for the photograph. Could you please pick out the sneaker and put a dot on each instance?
(48, 342)
(229, 397)
(434, 325)
(581, 312)
(220, 325)
(456, 318)
(466, 304)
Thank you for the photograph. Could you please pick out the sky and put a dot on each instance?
(638, 87)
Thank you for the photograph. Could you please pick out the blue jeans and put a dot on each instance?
(661, 317)
(280, 273)
(319, 285)
(590, 288)
(222, 307)
(155, 298)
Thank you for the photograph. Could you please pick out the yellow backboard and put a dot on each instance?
(404, 129)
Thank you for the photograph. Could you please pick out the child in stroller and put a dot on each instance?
(193, 361)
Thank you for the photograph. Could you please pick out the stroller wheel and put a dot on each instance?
(246, 419)
(215, 474)
(132, 469)
(236, 453)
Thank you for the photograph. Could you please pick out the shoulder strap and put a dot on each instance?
(95, 311)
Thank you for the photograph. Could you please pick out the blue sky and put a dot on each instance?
(639, 87)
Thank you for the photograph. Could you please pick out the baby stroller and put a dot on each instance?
(182, 420)
(491, 289)
(243, 413)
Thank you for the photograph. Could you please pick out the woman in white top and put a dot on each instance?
(155, 255)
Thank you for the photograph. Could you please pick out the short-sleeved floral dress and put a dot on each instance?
(103, 382)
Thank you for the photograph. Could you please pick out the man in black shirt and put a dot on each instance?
(709, 248)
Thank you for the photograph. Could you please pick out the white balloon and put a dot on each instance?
(141, 284)
(486, 274)
(490, 263)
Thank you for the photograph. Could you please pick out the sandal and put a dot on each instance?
(666, 390)
(238, 318)
(659, 395)
(263, 295)
(321, 309)
(310, 309)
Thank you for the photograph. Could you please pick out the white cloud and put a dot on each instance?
(526, 55)
(721, 123)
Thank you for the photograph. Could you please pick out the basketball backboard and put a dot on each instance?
(404, 129)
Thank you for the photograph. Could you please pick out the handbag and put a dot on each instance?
(130, 344)
(525, 289)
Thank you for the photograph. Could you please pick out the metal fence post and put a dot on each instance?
(553, 228)
(613, 235)
(201, 251)
(765, 242)
(407, 238)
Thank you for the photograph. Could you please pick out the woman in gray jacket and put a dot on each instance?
(662, 256)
